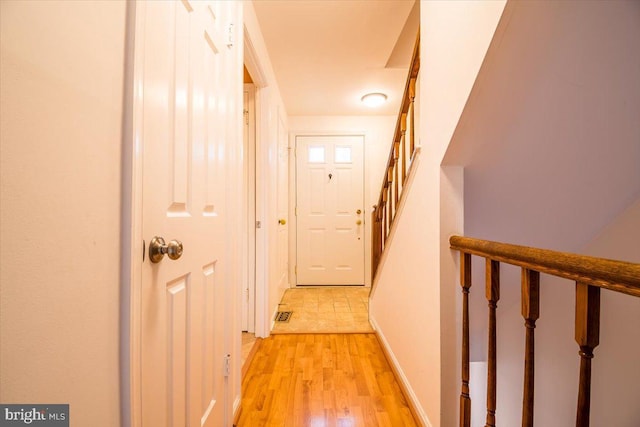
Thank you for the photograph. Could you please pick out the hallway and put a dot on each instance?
(323, 380)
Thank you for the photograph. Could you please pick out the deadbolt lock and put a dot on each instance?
(359, 211)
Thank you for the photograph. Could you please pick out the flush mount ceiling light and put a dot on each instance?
(374, 99)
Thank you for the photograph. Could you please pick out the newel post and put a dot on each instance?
(588, 338)
(465, 282)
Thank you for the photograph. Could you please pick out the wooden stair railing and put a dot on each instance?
(590, 274)
(398, 166)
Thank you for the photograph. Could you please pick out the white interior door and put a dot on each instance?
(184, 96)
(283, 205)
(330, 210)
(249, 139)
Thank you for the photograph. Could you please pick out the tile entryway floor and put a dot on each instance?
(248, 340)
(325, 309)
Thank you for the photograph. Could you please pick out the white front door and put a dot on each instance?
(330, 210)
(188, 110)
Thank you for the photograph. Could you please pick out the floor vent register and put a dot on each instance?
(283, 316)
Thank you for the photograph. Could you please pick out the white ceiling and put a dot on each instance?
(327, 54)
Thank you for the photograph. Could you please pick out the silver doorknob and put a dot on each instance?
(158, 248)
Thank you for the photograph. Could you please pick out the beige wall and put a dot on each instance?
(413, 305)
(61, 109)
(616, 381)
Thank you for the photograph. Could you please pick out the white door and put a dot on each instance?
(283, 205)
(185, 96)
(330, 210)
(249, 139)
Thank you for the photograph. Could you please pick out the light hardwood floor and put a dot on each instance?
(322, 380)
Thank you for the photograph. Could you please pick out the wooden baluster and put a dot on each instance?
(530, 297)
(493, 295)
(380, 230)
(381, 236)
(403, 129)
(465, 282)
(412, 96)
(588, 338)
(389, 208)
(384, 217)
(375, 230)
(392, 212)
(380, 216)
(396, 153)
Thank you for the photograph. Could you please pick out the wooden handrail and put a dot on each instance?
(590, 274)
(398, 165)
(617, 276)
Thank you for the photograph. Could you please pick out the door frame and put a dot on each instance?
(131, 246)
(293, 196)
(261, 294)
(249, 214)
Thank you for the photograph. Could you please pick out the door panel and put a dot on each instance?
(177, 332)
(330, 191)
(317, 188)
(184, 134)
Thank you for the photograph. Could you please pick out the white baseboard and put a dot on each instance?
(406, 386)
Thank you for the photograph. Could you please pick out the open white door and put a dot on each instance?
(283, 206)
(186, 123)
(248, 304)
(330, 210)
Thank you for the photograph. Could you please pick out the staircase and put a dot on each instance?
(590, 276)
(538, 171)
(398, 167)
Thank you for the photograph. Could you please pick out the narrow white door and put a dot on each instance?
(185, 91)
(283, 206)
(249, 140)
(330, 209)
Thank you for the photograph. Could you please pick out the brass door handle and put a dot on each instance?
(282, 221)
(359, 222)
(158, 248)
